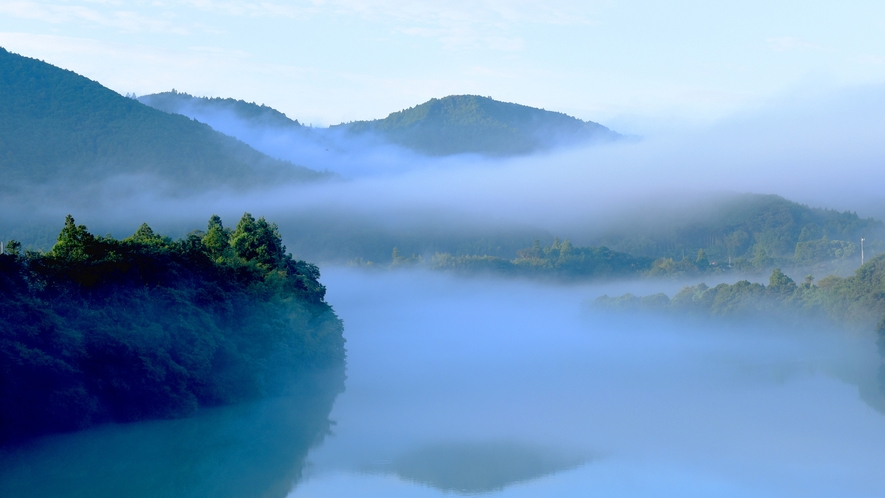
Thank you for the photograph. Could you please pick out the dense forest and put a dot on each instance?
(56, 125)
(460, 124)
(560, 260)
(175, 102)
(747, 233)
(99, 329)
(764, 232)
(457, 124)
(761, 232)
(756, 232)
(856, 300)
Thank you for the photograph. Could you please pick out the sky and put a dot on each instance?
(633, 65)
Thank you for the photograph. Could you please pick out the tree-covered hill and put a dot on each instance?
(99, 329)
(56, 125)
(461, 124)
(558, 261)
(856, 300)
(175, 102)
(755, 232)
(456, 124)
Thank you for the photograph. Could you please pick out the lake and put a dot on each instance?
(470, 386)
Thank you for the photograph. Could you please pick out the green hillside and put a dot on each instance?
(182, 103)
(100, 329)
(755, 231)
(472, 124)
(56, 125)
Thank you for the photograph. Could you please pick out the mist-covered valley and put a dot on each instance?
(489, 386)
(503, 334)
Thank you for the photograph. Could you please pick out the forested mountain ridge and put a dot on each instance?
(456, 124)
(757, 231)
(99, 329)
(58, 125)
(175, 102)
(460, 124)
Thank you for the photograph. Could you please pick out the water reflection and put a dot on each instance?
(253, 449)
(477, 467)
(673, 409)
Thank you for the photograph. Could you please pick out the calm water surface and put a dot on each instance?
(502, 388)
(508, 389)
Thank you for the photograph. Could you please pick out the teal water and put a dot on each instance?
(471, 387)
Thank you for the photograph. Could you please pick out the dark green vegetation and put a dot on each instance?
(182, 103)
(747, 233)
(560, 260)
(754, 232)
(99, 329)
(56, 125)
(857, 300)
(461, 124)
(758, 232)
(458, 124)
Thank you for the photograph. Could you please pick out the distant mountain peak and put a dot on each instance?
(459, 124)
(175, 102)
(455, 124)
(58, 125)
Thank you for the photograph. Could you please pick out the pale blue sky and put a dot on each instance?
(325, 61)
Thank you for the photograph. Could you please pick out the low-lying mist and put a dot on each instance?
(324, 148)
(824, 150)
(475, 386)
(629, 406)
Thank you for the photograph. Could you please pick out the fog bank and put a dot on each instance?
(822, 149)
(652, 407)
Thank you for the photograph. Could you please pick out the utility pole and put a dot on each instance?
(861, 251)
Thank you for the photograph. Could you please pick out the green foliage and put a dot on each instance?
(755, 233)
(173, 102)
(216, 241)
(258, 241)
(781, 284)
(74, 242)
(858, 299)
(461, 124)
(560, 260)
(57, 125)
(99, 329)
(399, 260)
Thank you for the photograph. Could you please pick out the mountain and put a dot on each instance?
(56, 125)
(461, 124)
(191, 106)
(756, 231)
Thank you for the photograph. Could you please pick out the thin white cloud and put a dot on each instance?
(455, 24)
(785, 43)
(124, 20)
(464, 11)
(872, 60)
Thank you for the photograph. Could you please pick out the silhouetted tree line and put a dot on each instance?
(99, 329)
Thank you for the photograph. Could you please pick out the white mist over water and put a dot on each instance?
(651, 406)
(507, 388)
